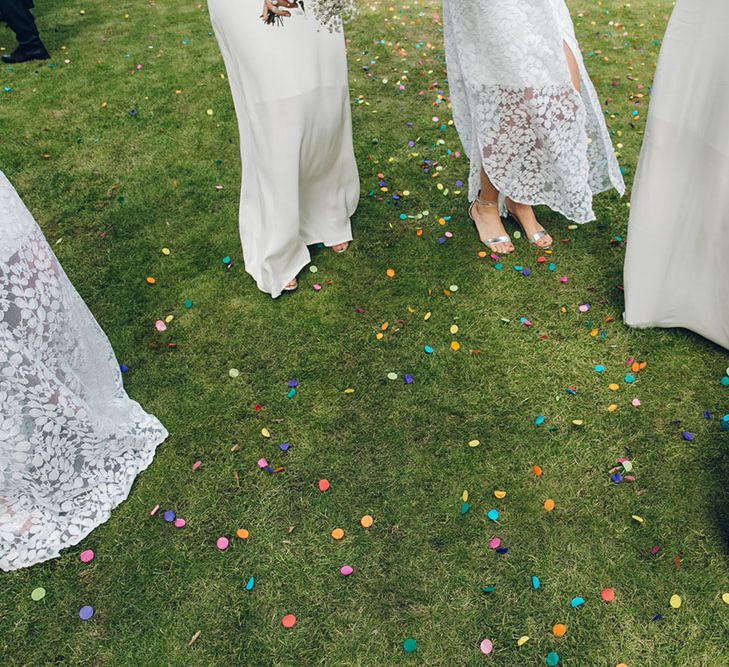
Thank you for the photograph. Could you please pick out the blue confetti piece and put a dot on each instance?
(576, 602)
(493, 515)
(539, 420)
(250, 583)
(536, 583)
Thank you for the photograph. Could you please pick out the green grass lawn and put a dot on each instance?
(111, 189)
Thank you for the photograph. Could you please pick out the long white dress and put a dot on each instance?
(677, 260)
(291, 95)
(516, 110)
(71, 440)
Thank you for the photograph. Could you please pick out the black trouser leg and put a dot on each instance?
(19, 19)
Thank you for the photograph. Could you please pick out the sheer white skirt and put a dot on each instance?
(71, 440)
(517, 112)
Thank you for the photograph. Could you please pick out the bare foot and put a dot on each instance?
(489, 226)
(291, 285)
(529, 223)
(340, 247)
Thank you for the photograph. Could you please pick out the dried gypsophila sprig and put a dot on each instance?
(330, 13)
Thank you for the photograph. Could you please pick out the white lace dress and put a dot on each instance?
(516, 109)
(71, 440)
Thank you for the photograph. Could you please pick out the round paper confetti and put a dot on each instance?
(392, 376)
(222, 543)
(38, 594)
(474, 443)
(559, 630)
(86, 556)
(725, 598)
(366, 521)
(410, 646)
(324, 485)
(346, 570)
(675, 601)
(549, 504)
(337, 534)
(234, 372)
(608, 594)
(288, 621)
(493, 515)
(552, 658)
(179, 522)
(242, 533)
(487, 646)
(85, 613)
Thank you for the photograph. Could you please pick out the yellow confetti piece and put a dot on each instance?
(464, 496)
(165, 251)
(265, 433)
(454, 329)
(390, 273)
(725, 598)
(379, 335)
(637, 518)
(522, 640)
(578, 422)
(500, 494)
(349, 390)
(151, 281)
(675, 601)
(455, 346)
(427, 316)
(169, 318)
(613, 387)
(209, 112)
(612, 407)
(474, 443)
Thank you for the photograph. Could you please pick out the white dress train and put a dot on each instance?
(71, 440)
(677, 258)
(516, 110)
(291, 95)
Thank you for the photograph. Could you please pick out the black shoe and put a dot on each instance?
(21, 55)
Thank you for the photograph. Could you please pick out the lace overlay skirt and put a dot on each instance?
(516, 109)
(71, 440)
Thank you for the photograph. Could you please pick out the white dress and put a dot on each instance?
(516, 110)
(291, 95)
(677, 260)
(71, 440)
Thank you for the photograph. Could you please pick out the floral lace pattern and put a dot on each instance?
(71, 440)
(516, 110)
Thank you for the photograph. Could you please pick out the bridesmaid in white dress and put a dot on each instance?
(527, 114)
(291, 95)
(71, 440)
(677, 261)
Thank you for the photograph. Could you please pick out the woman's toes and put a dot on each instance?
(340, 247)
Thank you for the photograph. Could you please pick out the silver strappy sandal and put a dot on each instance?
(504, 238)
(534, 237)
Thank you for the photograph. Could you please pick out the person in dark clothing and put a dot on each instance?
(16, 13)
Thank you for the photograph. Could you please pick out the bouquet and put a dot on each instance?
(330, 13)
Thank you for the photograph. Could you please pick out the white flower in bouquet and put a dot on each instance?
(330, 13)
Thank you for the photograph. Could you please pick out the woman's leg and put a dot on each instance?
(572, 64)
(487, 217)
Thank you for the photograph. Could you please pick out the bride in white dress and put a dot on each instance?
(677, 259)
(527, 114)
(71, 440)
(291, 95)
